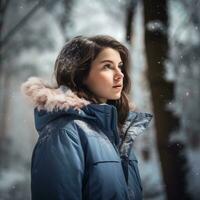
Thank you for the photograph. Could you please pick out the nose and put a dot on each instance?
(118, 74)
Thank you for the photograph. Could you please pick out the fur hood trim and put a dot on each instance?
(42, 96)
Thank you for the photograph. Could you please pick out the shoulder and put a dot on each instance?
(82, 127)
(74, 125)
(62, 131)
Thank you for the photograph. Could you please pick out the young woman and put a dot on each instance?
(86, 125)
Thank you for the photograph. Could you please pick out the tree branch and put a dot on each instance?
(21, 23)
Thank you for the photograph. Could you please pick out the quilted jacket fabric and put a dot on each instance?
(79, 154)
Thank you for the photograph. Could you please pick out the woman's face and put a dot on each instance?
(105, 78)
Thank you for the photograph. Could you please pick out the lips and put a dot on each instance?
(117, 86)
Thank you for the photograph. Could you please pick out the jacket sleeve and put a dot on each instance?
(57, 167)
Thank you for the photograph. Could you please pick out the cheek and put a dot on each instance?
(100, 82)
(103, 80)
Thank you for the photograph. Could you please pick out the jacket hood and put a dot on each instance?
(50, 104)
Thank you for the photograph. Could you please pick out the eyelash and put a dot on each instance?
(108, 65)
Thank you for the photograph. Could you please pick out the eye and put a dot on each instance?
(108, 66)
(121, 66)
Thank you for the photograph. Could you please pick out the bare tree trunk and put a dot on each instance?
(171, 154)
(21, 23)
(4, 77)
(131, 5)
(65, 18)
(3, 7)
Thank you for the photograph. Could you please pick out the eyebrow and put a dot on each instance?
(103, 61)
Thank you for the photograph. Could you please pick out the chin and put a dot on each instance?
(115, 98)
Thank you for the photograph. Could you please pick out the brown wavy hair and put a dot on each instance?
(73, 64)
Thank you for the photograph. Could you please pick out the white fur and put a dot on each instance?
(43, 96)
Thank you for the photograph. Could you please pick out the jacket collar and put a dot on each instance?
(52, 103)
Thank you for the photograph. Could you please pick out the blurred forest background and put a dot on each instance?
(163, 37)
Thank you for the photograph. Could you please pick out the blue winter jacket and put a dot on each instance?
(79, 154)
